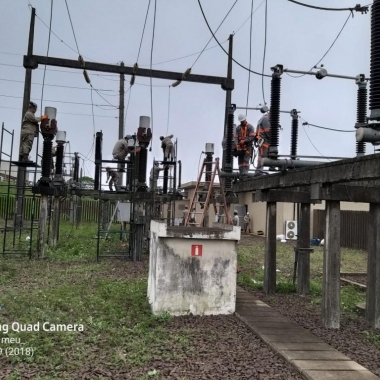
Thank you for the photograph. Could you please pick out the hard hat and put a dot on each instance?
(107, 168)
(247, 213)
(242, 118)
(32, 105)
(162, 137)
(235, 212)
(186, 206)
(128, 137)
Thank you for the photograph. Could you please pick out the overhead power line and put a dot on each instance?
(72, 27)
(328, 50)
(265, 49)
(250, 53)
(142, 35)
(357, 8)
(216, 31)
(66, 113)
(238, 63)
(151, 61)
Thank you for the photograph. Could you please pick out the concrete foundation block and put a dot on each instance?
(192, 270)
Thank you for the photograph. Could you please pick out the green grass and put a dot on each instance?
(108, 298)
(251, 262)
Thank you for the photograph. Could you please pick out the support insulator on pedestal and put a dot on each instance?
(76, 168)
(361, 114)
(47, 156)
(179, 174)
(208, 167)
(98, 159)
(294, 136)
(275, 112)
(374, 100)
(142, 166)
(59, 160)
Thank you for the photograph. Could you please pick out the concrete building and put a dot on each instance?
(5, 166)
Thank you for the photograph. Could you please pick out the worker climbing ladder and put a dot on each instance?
(206, 187)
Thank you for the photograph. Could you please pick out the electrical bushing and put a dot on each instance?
(274, 117)
(179, 174)
(46, 160)
(294, 135)
(166, 179)
(59, 159)
(229, 142)
(98, 159)
(130, 166)
(374, 100)
(76, 168)
(143, 161)
(361, 116)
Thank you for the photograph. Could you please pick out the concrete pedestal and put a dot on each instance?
(192, 270)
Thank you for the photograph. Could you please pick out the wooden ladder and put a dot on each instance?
(210, 195)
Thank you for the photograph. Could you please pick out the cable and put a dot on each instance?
(329, 129)
(57, 85)
(55, 101)
(248, 18)
(312, 142)
(265, 49)
(47, 52)
(328, 50)
(72, 27)
(215, 32)
(93, 88)
(66, 113)
(357, 8)
(142, 35)
(167, 126)
(151, 60)
(250, 54)
(126, 109)
(239, 64)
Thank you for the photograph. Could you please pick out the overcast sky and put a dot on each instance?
(110, 32)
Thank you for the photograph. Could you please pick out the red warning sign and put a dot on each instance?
(196, 250)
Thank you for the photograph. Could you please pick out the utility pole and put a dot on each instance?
(121, 117)
(228, 93)
(21, 172)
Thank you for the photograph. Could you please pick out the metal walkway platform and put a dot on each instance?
(309, 355)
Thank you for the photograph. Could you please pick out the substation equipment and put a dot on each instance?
(135, 202)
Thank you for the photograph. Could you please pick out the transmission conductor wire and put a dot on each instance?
(215, 33)
(324, 55)
(250, 53)
(265, 49)
(234, 60)
(357, 7)
(151, 61)
(167, 125)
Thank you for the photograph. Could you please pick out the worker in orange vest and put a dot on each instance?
(243, 139)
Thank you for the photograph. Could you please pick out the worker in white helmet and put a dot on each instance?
(235, 219)
(263, 138)
(167, 147)
(243, 139)
(247, 223)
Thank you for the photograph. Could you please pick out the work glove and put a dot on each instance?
(43, 117)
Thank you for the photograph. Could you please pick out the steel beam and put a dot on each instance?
(34, 60)
(284, 196)
(354, 169)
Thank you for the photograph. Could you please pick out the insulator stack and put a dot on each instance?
(143, 161)
(374, 100)
(59, 160)
(47, 157)
(275, 114)
(130, 166)
(179, 174)
(98, 159)
(166, 178)
(76, 168)
(361, 114)
(135, 174)
(294, 136)
(208, 167)
(229, 140)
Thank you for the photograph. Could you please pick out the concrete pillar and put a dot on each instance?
(55, 225)
(270, 249)
(331, 267)
(303, 241)
(42, 226)
(373, 269)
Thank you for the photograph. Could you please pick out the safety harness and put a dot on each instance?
(242, 146)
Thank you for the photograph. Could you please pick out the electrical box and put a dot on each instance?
(291, 230)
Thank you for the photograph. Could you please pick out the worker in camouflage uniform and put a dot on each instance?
(113, 177)
(168, 147)
(154, 173)
(121, 150)
(29, 131)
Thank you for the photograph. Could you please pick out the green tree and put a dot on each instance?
(87, 182)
